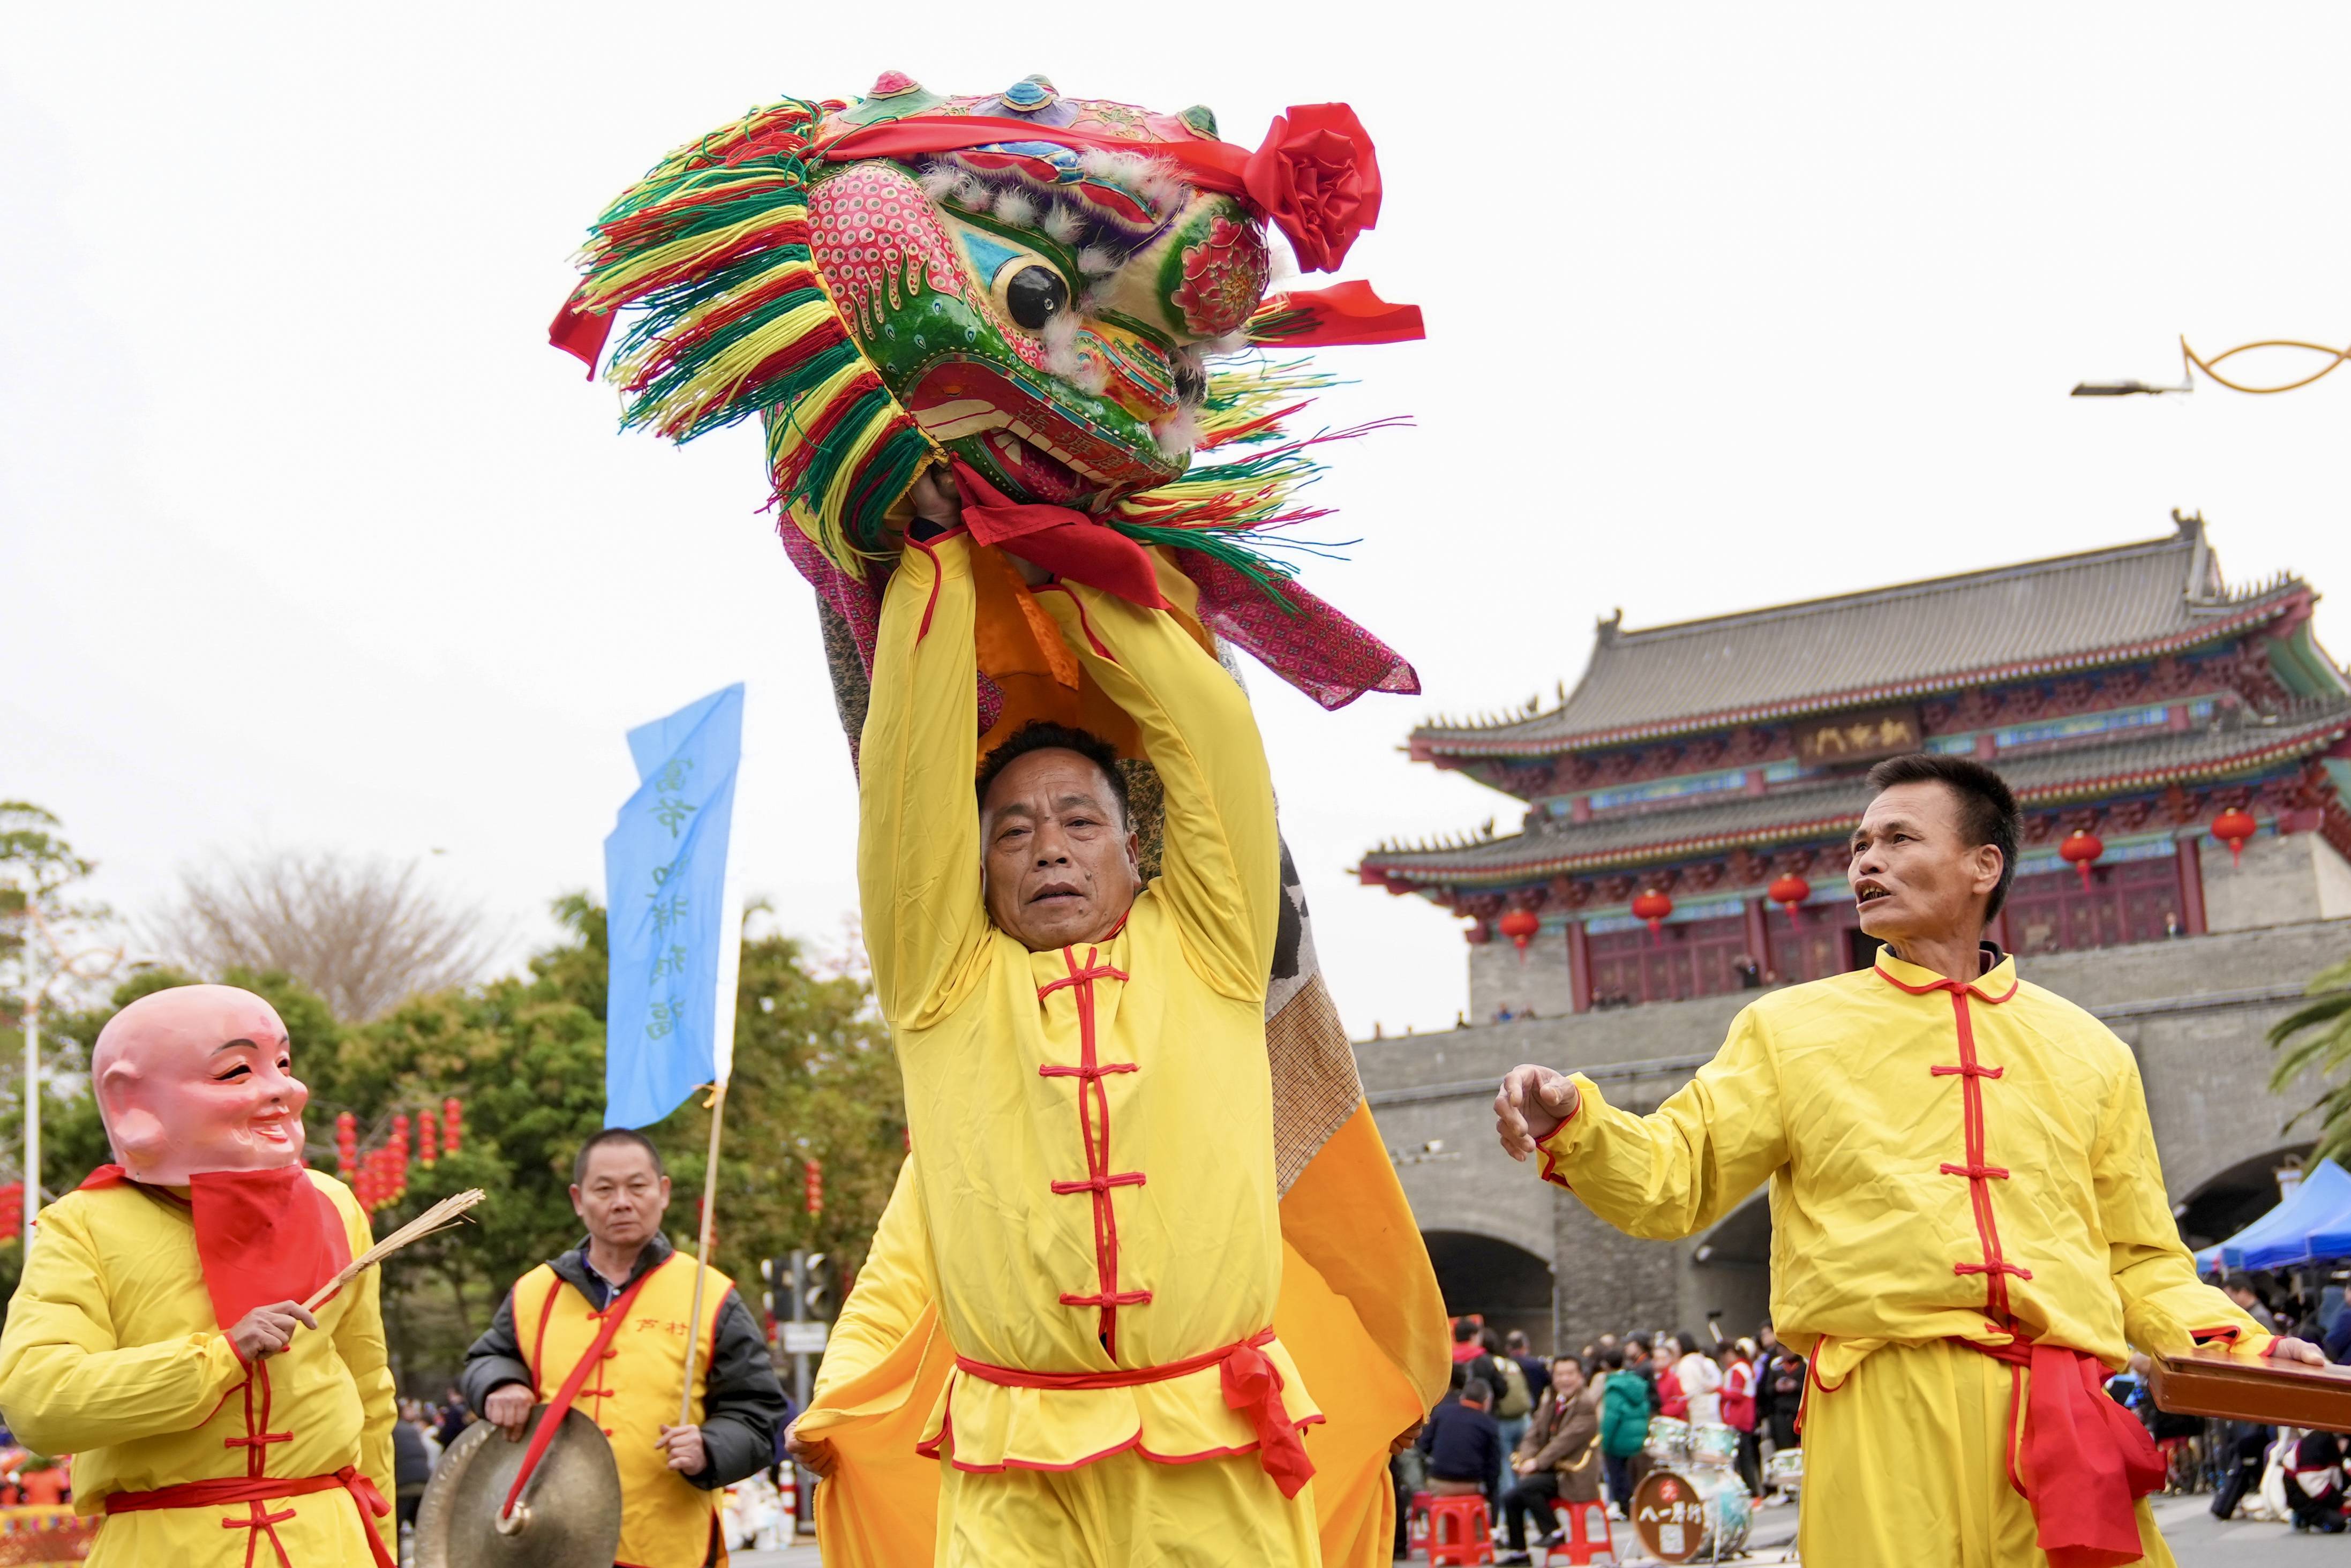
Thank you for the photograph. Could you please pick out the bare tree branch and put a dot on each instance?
(365, 933)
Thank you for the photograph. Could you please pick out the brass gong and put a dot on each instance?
(568, 1517)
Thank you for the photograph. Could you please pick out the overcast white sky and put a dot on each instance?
(306, 539)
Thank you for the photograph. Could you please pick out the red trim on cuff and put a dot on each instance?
(1551, 1157)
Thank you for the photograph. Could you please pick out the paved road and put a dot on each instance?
(2196, 1538)
(2199, 1541)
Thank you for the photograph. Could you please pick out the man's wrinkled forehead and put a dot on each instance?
(1049, 780)
(1922, 803)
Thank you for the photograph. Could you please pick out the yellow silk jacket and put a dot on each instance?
(665, 1520)
(112, 1353)
(1971, 1163)
(1091, 1182)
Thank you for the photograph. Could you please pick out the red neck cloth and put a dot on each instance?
(1072, 545)
(262, 1236)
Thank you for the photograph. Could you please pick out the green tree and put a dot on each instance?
(48, 941)
(814, 1078)
(2317, 1038)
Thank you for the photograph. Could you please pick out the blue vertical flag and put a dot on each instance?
(676, 914)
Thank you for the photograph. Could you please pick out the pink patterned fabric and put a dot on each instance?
(1307, 644)
(859, 605)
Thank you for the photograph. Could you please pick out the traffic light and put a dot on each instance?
(820, 1288)
(776, 1273)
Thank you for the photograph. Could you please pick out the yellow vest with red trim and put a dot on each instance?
(666, 1522)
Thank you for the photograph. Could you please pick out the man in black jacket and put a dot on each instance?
(1464, 1444)
(620, 1191)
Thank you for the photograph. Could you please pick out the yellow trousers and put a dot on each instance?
(1906, 1462)
(1125, 1511)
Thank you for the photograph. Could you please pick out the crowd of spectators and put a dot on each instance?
(2314, 1467)
(1524, 1431)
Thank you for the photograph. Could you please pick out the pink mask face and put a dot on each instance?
(198, 1078)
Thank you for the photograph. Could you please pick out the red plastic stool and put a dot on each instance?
(1460, 1531)
(1415, 1521)
(1574, 1520)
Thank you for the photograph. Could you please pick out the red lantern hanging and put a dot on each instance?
(2081, 848)
(2233, 828)
(453, 1123)
(1520, 926)
(1789, 893)
(814, 1171)
(1652, 906)
(428, 1138)
(346, 1144)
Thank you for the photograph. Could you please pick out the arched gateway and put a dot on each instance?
(1688, 805)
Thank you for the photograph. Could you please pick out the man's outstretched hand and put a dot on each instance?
(2302, 1350)
(1532, 1104)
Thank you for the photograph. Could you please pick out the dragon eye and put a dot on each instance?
(1035, 296)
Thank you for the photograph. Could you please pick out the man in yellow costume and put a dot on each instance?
(158, 1334)
(603, 1329)
(1090, 1197)
(1968, 1222)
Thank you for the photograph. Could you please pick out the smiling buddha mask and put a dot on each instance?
(197, 1078)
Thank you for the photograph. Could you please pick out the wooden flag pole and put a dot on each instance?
(701, 1251)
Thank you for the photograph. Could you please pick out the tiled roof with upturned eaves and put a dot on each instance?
(2039, 617)
(1554, 846)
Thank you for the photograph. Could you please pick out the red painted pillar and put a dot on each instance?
(2191, 887)
(1579, 963)
(1759, 935)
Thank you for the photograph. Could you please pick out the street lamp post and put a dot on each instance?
(2191, 363)
(63, 967)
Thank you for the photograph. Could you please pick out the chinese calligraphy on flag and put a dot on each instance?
(675, 918)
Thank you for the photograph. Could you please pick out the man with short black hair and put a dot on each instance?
(621, 1303)
(2238, 1288)
(1090, 1202)
(1464, 1446)
(1968, 1215)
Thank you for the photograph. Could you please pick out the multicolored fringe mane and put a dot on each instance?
(711, 248)
(710, 251)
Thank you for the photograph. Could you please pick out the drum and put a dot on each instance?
(1688, 1517)
(1714, 1444)
(1730, 1511)
(1668, 1440)
(1786, 1470)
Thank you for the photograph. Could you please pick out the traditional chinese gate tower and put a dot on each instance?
(1689, 802)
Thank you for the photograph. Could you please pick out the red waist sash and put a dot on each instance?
(1252, 1384)
(260, 1489)
(2087, 1459)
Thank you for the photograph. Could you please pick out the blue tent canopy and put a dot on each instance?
(2330, 1236)
(2289, 1235)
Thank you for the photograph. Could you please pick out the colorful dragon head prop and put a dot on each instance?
(1062, 301)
